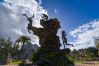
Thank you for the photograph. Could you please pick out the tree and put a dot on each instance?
(15, 51)
(23, 40)
(97, 44)
(5, 49)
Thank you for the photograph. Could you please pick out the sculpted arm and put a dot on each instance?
(26, 16)
(32, 16)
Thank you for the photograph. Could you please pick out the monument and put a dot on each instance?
(49, 54)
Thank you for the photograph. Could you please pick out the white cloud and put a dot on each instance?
(13, 24)
(86, 34)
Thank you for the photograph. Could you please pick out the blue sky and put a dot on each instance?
(79, 18)
(72, 13)
(1, 0)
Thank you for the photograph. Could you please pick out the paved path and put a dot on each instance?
(89, 63)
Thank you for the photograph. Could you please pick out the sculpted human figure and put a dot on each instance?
(64, 39)
(45, 17)
(40, 32)
(43, 21)
(30, 21)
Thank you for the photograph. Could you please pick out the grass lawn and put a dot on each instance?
(15, 62)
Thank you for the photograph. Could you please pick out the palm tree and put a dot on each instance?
(24, 40)
(15, 51)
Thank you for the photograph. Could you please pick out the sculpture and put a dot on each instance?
(30, 21)
(45, 17)
(50, 43)
(64, 39)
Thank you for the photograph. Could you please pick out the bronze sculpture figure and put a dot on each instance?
(30, 21)
(64, 39)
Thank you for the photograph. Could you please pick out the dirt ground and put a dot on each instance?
(86, 64)
(89, 63)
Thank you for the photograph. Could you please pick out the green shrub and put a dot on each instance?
(22, 63)
(50, 58)
(15, 62)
